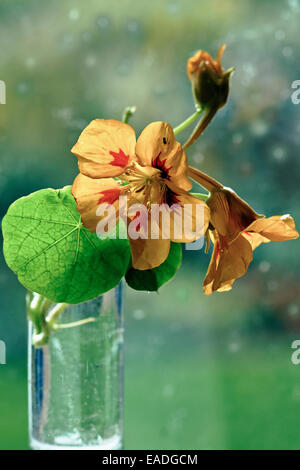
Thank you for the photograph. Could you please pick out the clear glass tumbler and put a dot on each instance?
(76, 380)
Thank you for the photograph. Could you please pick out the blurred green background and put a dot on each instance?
(201, 372)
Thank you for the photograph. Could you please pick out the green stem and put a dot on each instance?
(127, 113)
(35, 301)
(74, 323)
(44, 320)
(55, 313)
(188, 121)
(202, 196)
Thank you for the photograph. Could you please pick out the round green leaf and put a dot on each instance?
(153, 279)
(53, 254)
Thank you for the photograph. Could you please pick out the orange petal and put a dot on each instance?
(227, 266)
(277, 228)
(148, 253)
(212, 269)
(255, 239)
(158, 147)
(193, 64)
(220, 53)
(200, 57)
(189, 216)
(105, 148)
(89, 193)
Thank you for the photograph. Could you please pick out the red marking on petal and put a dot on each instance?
(143, 223)
(161, 165)
(138, 227)
(217, 249)
(109, 195)
(120, 159)
(171, 198)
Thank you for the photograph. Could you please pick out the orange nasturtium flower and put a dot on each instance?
(236, 230)
(152, 170)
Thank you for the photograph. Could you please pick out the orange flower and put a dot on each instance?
(210, 85)
(236, 230)
(152, 170)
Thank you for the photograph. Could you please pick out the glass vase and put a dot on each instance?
(76, 379)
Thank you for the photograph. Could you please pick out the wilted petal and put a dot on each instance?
(255, 239)
(277, 228)
(105, 148)
(158, 147)
(227, 265)
(230, 215)
(205, 180)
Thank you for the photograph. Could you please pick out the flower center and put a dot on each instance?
(145, 184)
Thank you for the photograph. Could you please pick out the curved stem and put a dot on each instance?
(55, 313)
(200, 127)
(187, 122)
(44, 320)
(74, 323)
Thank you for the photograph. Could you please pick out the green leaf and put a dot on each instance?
(153, 279)
(53, 254)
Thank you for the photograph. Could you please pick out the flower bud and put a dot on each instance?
(210, 82)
